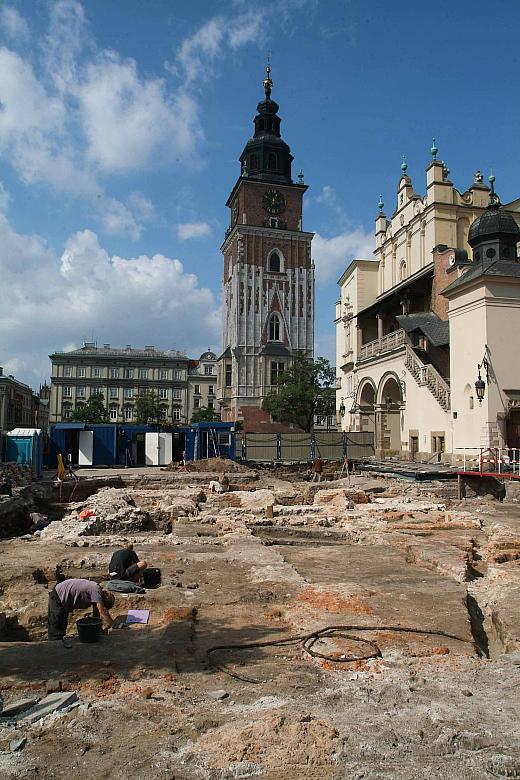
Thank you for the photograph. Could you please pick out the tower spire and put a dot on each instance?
(267, 82)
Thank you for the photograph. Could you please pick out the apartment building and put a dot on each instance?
(202, 383)
(19, 405)
(121, 375)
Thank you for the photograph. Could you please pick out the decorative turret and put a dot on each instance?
(495, 234)
(266, 156)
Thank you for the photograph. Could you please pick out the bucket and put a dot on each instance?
(151, 577)
(89, 629)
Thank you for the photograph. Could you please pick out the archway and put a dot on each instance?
(366, 404)
(390, 400)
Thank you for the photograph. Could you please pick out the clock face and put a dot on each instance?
(274, 202)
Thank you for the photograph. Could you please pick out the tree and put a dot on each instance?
(92, 412)
(147, 408)
(305, 389)
(205, 415)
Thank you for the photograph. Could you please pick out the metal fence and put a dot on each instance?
(304, 447)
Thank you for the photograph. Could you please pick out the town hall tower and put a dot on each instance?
(268, 283)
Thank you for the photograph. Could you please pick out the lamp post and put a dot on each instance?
(480, 385)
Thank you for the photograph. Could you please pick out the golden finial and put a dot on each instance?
(267, 82)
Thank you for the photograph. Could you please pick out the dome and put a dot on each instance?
(208, 356)
(493, 222)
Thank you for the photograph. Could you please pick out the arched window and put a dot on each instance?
(272, 161)
(253, 162)
(402, 271)
(274, 262)
(261, 124)
(274, 328)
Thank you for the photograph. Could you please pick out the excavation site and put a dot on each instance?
(361, 626)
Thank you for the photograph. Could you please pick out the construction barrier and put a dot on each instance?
(304, 447)
(491, 460)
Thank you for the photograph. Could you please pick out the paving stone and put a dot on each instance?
(217, 695)
(56, 701)
(18, 706)
(53, 686)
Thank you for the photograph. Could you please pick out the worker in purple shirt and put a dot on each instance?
(73, 594)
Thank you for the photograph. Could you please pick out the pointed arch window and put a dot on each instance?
(274, 328)
(275, 262)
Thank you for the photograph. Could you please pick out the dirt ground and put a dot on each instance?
(352, 629)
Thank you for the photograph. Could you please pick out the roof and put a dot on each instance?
(209, 355)
(484, 268)
(423, 272)
(89, 350)
(437, 331)
(494, 221)
(226, 353)
(24, 431)
(275, 348)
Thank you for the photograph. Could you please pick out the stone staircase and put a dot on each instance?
(426, 374)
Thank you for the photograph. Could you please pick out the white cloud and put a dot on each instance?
(187, 230)
(118, 220)
(130, 122)
(333, 255)
(49, 302)
(13, 23)
(4, 199)
(211, 40)
(142, 206)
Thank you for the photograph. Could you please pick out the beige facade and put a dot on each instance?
(19, 405)
(202, 384)
(120, 375)
(403, 367)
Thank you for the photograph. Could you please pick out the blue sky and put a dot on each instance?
(121, 122)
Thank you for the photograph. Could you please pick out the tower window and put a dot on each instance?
(274, 261)
(253, 162)
(228, 375)
(272, 161)
(274, 328)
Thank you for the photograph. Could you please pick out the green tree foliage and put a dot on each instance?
(205, 415)
(304, 390)
(92, 412)
(147, 408)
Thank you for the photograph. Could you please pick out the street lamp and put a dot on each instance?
(480, 385)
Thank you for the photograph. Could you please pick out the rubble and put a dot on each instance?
(430, 584)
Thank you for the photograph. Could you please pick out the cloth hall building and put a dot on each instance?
(435, 310)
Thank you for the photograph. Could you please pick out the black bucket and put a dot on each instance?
(89, 629)
(151, 577)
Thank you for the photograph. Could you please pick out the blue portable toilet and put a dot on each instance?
(24, 446)
(214, 440)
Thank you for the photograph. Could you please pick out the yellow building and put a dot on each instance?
(398, 339)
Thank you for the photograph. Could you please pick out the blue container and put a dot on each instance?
(214, 440)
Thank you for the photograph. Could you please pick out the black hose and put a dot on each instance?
(307, 642)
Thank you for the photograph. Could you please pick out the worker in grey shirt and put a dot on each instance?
(77, 594)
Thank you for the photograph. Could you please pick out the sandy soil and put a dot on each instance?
(376, 557)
